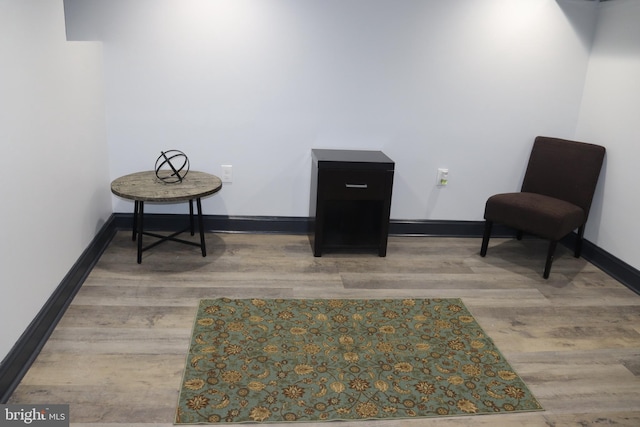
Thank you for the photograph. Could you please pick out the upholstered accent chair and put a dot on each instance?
(556, 194)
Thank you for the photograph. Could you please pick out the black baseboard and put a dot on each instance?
(220, 223)
(303, 225)
(614, 267)
(15, 365)
(442, 228)
(17, 362)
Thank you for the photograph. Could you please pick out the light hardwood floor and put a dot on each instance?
(118, 353)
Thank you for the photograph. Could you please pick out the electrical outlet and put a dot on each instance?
(227, 173)
(443, 177)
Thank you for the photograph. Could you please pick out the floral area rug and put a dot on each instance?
(284, 360)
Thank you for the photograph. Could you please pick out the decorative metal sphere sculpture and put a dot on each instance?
(167, 169)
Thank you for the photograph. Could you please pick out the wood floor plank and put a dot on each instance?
(117, 355)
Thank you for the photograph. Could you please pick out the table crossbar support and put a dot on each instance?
(138, 230)
(170, 237)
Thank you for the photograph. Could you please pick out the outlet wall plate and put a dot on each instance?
(442, 178)
(227, 173)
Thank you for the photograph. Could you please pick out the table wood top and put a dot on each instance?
(146, 187)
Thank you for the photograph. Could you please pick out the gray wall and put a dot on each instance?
(459, 84)
(55, 182)
(610, 114)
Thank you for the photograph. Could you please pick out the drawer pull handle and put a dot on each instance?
(361, 186)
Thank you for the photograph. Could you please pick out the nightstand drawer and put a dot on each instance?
(353, 184)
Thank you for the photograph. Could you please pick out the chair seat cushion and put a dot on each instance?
(534, 213)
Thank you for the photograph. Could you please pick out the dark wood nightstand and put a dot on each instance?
(350, 200)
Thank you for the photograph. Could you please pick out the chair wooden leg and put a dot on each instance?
(578, 248)
(550, 252)
(485, 237)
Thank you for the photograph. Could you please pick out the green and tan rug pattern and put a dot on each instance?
(259, 360)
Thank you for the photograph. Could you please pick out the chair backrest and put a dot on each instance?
(563, 169)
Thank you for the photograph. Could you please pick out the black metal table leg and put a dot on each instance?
(140, 229)
(135, 220)
(201, 227)
(191, 217)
